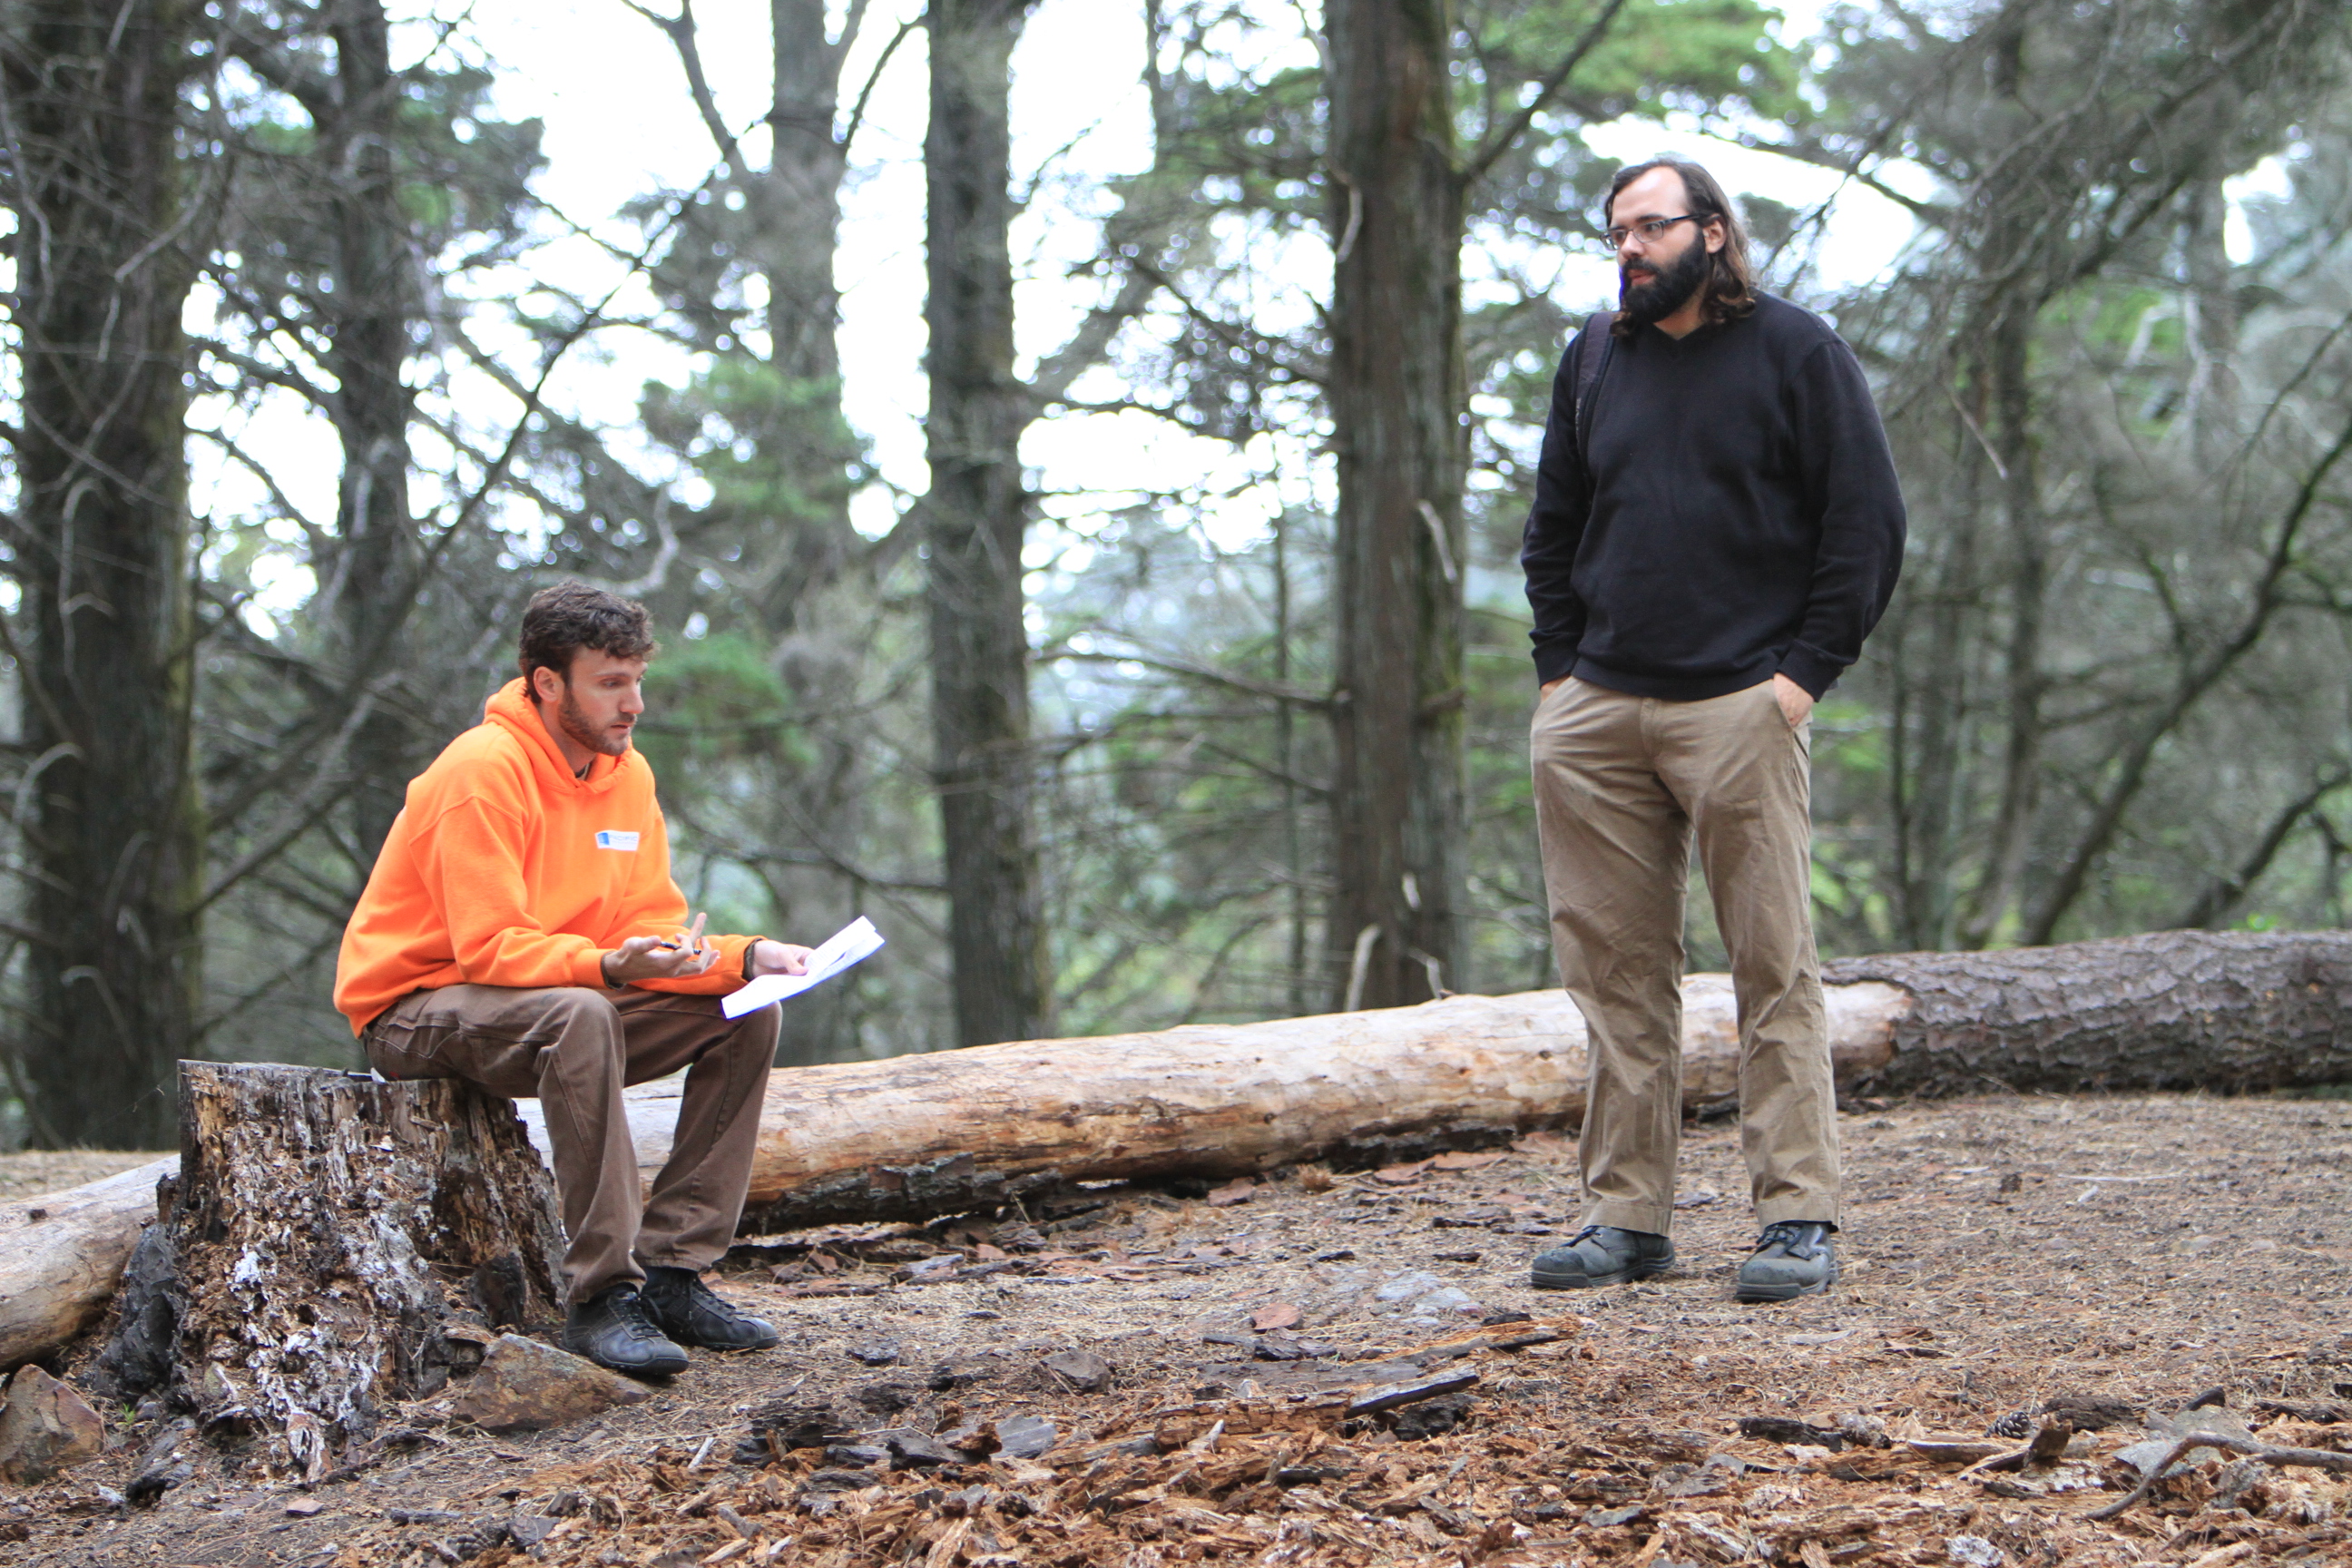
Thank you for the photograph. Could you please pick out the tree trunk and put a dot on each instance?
(371, 318)
(2210, 404)
(1396, 402)
(1932, 664)
(973, 522)
(805, 176)
(2008, 372)
(101, 561)
(323, 1231)
(800, 220)
(813, 545)
(915, 1136)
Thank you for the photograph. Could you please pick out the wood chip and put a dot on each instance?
(1466, 1162)
(1396, 1394)
(1954, 1450)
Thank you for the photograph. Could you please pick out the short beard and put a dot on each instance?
(574, 723)
(1662, 295)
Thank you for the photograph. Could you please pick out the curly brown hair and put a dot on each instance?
(562, 620)
(1730, 291)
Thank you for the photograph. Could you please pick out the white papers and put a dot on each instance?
(851, 944)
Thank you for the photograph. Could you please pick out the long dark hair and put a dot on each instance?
(1730, 291)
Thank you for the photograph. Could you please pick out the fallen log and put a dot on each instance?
(915, 1136)
(919, 1135)
(61, 1257)
(2233, 1012)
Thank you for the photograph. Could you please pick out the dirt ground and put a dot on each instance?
(2111, 1258)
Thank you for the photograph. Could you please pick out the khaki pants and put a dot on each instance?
(575, 1049)
(1623, 785)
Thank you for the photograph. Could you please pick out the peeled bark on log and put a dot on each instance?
(919, 1135)
(324, 1233)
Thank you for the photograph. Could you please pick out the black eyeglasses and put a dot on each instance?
(1650, 231)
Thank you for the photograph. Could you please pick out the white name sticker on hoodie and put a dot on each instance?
(613, 838)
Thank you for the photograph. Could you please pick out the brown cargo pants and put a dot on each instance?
(575, 1049)
(1623, 785)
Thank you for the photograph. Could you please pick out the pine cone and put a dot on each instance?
(2018, 1424)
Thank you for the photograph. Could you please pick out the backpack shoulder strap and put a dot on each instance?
(1592, 350)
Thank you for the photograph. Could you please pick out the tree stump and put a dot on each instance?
(330, 1244)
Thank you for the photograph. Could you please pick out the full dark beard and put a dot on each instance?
(1657, 298)
(575, 724)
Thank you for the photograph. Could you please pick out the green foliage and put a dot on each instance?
(462, 180)
(717, 700)
(773, 448)
(1711, 54)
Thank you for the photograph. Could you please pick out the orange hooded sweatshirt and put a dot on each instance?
(506, 869)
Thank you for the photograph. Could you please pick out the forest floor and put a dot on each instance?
(2109, 1258)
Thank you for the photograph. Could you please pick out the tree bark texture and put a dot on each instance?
(928, 1134)
(973, 522)
(371, 314)
(2232, 1012)
(102, 561)
(803, 213)
(805, 440)
(811, 544)
(1397, 797)
(323, 1231)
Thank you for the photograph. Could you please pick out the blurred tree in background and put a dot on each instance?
(1190, 682)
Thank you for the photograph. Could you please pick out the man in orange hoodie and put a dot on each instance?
(521, 931)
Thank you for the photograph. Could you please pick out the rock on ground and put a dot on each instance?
(526, 1386)
(46, 1428)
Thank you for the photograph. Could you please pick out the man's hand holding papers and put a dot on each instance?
(851, 944)
(768, 957)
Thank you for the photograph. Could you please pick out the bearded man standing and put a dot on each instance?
(521, 931)
(1717, 527)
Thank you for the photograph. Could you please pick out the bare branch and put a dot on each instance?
(1296, 696)
(681, 32)
(1501, 140)
(864, 93)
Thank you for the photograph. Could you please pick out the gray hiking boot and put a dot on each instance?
(1792, 1258)
(1603, 1255)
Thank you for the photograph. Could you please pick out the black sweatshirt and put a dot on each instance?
(1740, 517)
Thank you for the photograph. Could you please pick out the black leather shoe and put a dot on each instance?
(1792, 1258)
(614, 1330)
(693, 1314)
(1602, 1254)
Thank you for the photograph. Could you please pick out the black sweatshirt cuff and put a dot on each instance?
(1811, 668)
